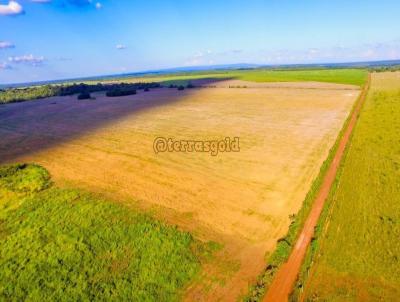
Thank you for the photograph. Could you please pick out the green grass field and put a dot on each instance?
(339, 76)
(356, 256)
(61, 244)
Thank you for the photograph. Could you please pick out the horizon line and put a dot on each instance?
(211, 67)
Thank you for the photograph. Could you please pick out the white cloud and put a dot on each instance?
(5, 66)
(120, 46)
(27, 59)
(98, 5)
(199, 58)
(63, 59)
(6, 44)
(11, 9)
(339, 54)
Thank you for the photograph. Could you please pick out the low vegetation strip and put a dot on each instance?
(59, 244)
(339, 76)
(38, 92)
(357, 257)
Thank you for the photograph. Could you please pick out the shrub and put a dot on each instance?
(181, 87)
(24, 178)
(190, 85)
(146, 89)
(84, 96)
(120, 92)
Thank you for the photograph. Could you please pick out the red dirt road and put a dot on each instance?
(285, 278)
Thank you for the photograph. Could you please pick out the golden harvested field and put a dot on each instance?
(242, 200)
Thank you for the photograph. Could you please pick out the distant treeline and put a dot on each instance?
(38, 92)
(385, 68)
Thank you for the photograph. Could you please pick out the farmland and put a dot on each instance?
(341, 76)
(241, 201)
(356, 254)
(57, 242)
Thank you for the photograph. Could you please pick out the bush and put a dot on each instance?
(119, 92)
(84, 96)
(146, 89)
(190, 85)
(57, 243)
(181, 87)
(24, 178)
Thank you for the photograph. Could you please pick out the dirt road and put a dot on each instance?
(286, 277)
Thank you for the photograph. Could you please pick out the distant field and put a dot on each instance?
(61, 244)
(241, 200)
(358, 257)
(339, 76)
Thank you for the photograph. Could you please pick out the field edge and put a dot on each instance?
(285, 244)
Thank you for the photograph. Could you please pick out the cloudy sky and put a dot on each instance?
(53, 39)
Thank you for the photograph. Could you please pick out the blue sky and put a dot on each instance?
(52, 39)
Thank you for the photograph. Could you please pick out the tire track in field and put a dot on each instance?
(284, 280)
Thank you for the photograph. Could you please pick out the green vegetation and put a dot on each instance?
(62, 244)
(356, 255)
(391, 68)
(38, 92)
(333, 75)
(340, 76)
(84, 96)
(121, 92)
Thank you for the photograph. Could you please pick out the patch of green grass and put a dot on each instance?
(357, 258)
(340, 76)
(24, 178)
(62, 244)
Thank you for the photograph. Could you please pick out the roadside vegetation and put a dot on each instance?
(63, 244)
(355, 255)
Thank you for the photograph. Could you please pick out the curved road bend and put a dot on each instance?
(283, 283)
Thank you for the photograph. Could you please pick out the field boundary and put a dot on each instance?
(285, 245)
(285, 278)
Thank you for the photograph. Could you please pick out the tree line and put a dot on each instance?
(37, 92)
